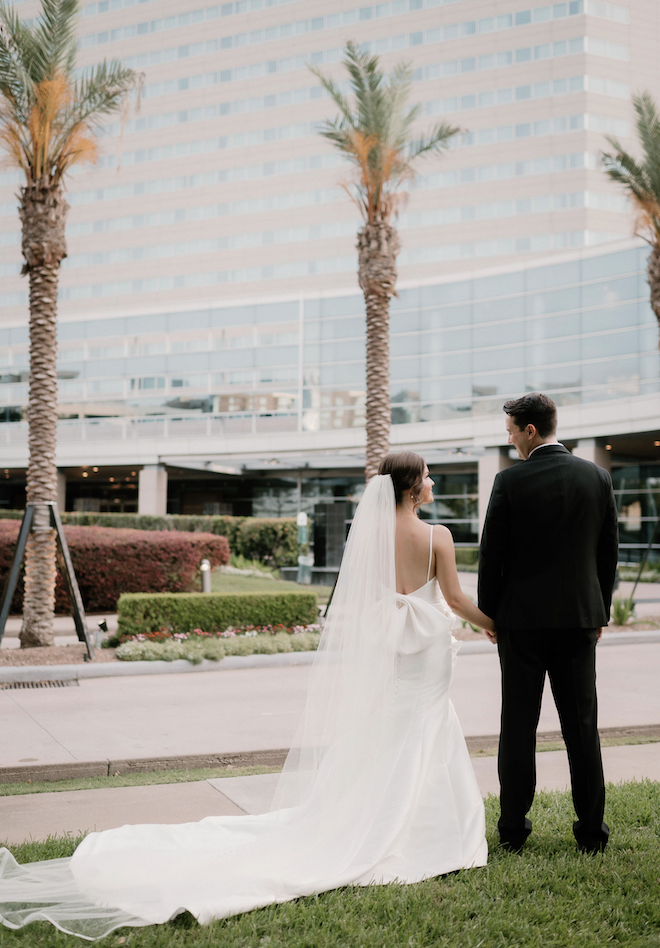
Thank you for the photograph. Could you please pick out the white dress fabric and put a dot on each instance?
(388, 797)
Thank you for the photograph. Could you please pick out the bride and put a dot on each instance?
(377, 788)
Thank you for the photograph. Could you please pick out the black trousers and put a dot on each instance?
(569, 658)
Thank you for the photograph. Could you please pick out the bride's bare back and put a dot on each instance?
(422, 551)
(411, 554)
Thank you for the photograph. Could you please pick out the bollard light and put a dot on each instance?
(205, 569)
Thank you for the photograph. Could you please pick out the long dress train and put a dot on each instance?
(392, 797)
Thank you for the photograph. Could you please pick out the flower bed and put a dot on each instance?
(164, 645)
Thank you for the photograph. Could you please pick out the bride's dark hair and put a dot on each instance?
(407, 472)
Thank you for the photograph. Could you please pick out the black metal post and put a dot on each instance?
(72, 584)
(12, 576)
(70, 577)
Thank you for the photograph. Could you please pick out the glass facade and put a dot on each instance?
(581, 329)
(637, 492)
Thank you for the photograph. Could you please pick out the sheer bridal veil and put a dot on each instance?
(354, 667)
(323, 824)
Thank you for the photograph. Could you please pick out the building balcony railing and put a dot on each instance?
(158, 427)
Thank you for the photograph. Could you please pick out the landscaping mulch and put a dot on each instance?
(54, 655)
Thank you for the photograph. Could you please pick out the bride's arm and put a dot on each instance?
(445, 571)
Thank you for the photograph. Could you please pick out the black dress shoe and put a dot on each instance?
(592, 848)
(591, 842)
(512, 847)
(513, 840)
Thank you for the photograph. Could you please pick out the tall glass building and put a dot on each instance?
(221, 187)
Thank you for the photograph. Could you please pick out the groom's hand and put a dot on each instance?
(599, 636)
(492, 636)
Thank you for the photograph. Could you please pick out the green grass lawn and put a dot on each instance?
(225, 582)
(549, 897)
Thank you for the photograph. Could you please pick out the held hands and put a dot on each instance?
(492, 636)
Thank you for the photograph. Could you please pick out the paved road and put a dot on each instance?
(257, 709)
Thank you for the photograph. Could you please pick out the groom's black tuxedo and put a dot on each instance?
(548, 551)
(546, 570)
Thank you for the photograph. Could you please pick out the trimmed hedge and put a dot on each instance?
(109, 562)
(271, 540)
(467, 555)
(213, 612)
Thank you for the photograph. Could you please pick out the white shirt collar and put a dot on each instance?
(546, 444)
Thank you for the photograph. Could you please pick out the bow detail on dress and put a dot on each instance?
(420, 622)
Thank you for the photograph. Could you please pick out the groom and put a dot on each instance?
(547, 565)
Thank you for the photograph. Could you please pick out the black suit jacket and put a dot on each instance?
(549, 546)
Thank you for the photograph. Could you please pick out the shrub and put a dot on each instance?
(272, 541)
(213, 612)
(268, 540)
(109, 562)
(623, 610)
(467, 556)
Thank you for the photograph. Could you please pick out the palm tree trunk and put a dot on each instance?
(43, 215)
(653, 277)
(378, 245)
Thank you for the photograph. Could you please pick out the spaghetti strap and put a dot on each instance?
(428, 572)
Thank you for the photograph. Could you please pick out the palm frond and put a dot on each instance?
(648, 129)
(437, 140)
(16, 49)
(335, 93)
(104, 89)
(55, 36)
(640, 177)
(374, 130)
(46, 117)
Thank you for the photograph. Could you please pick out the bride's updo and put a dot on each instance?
(407, 472)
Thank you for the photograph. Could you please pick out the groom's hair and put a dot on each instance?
(407, 472)
(533, 409)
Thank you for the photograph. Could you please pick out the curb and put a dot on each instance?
(16, 673)
(76, 770)
(609, 638)
(10, 674)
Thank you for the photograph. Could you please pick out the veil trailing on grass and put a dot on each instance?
(330, 822)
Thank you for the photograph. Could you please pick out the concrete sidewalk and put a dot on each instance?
(37, 815)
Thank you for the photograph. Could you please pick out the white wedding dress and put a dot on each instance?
(378, 786)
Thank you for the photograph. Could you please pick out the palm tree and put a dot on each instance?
(375, 133)
(46, 127)
(641, 179)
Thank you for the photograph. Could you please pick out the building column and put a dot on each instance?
(491, 463)
(152, 490)
(61, 491)
(588, 449)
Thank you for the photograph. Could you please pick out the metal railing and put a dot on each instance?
(130, 428)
